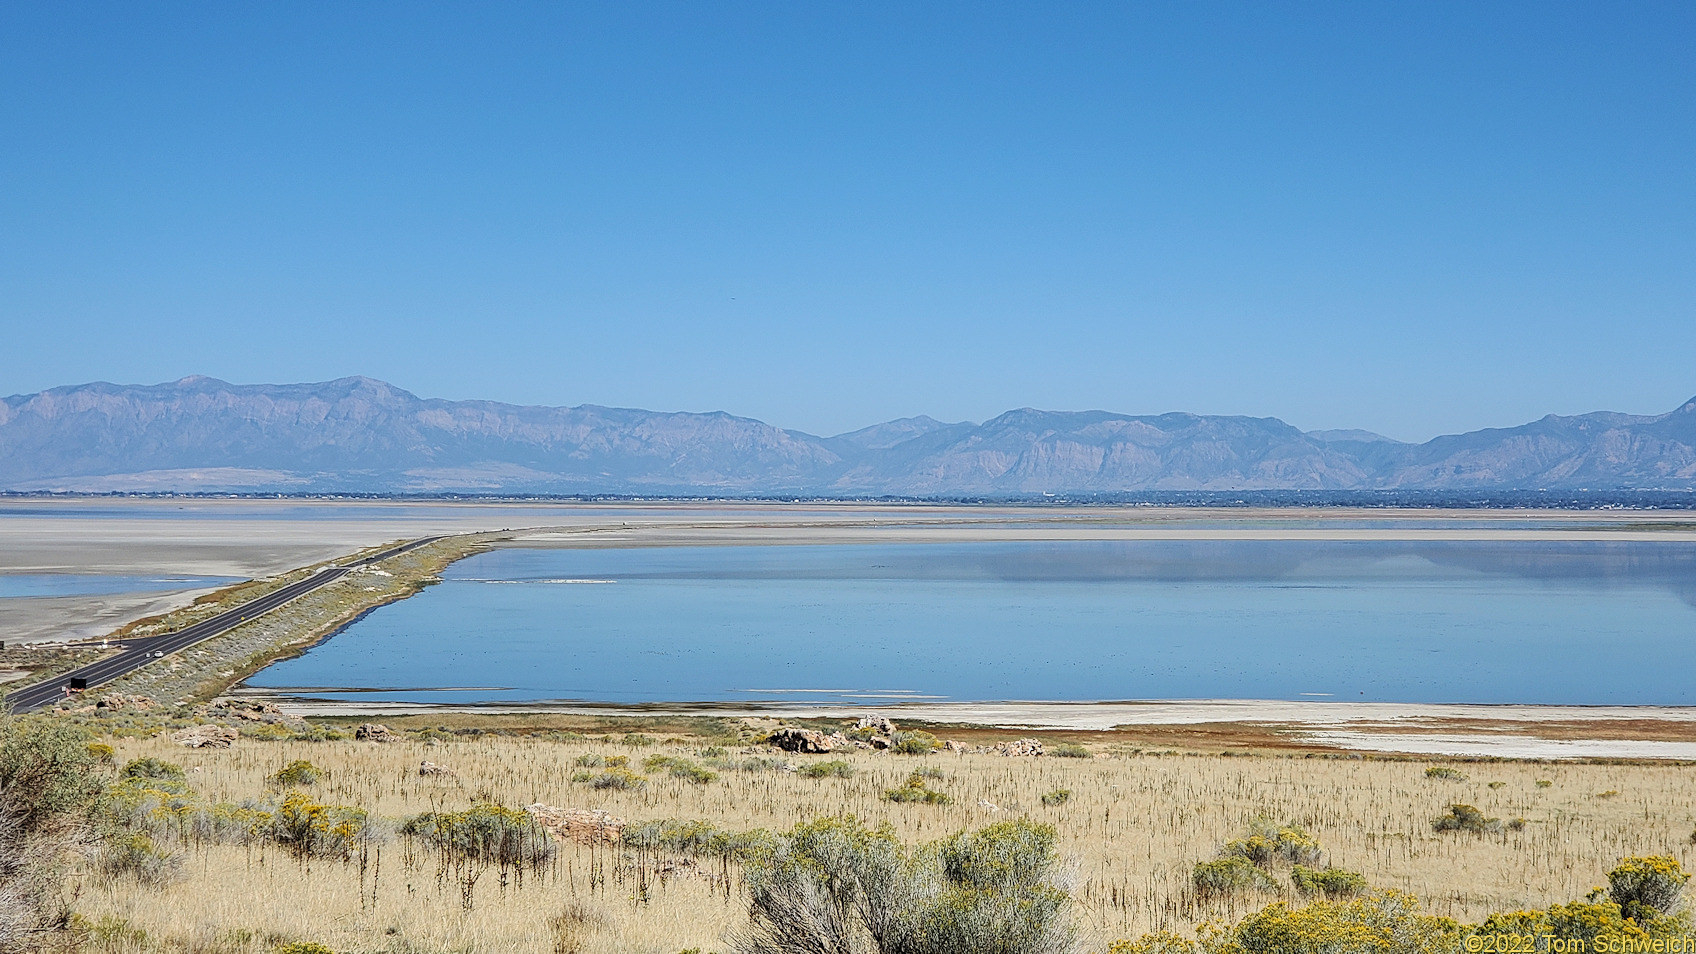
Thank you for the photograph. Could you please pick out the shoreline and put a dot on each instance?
(1512, 731)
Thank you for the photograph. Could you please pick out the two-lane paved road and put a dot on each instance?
(135, 653)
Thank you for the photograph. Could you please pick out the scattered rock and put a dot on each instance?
(1021, 747)
(801, 740)
(375, 732)
(206, 737)
(988, 806)
(116, 702)
(953, 746)
(429, 768)
(247, 711)
(255, 707)
(582, 825)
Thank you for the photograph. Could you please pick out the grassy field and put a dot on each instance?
(1131, 830)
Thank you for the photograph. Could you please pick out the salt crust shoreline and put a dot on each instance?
(1358, 726)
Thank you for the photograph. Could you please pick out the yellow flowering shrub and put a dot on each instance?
(1646, 888)
(1387, 922)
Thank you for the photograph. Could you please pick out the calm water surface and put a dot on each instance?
(1408, 622)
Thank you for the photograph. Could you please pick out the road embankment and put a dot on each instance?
(210, 668)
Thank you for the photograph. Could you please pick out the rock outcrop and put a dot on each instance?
(1019, 747)
(206, 737)
(375, 732)
(806, 741)
(584, 826)
(878, 725)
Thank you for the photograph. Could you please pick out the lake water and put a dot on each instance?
(1522, 622)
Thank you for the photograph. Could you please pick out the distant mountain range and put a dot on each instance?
(360, 435)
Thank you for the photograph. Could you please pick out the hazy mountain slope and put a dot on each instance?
(356, 434)
(889, 433)
(359, 434)
(1031, 451)
(1597, 451)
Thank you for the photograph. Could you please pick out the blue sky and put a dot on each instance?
(1416, 218)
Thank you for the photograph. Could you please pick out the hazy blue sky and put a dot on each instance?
(1415, 218)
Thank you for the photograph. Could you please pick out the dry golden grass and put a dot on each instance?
(1132, 829)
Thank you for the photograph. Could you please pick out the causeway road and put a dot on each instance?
(136, 653)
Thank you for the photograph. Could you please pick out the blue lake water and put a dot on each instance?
(1525, 622)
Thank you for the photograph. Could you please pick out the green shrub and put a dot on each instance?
(1330, 882)
(310, 829)
(303, 947)
(637, 740)
(1059, 796)
(297, 772)
(1070, 750)
(1465, 818)
(1646, 888)
(916, 742)
(102, 753)
(1229, 876)
(155, 805)
(1268, 843)
(134, 854)
(1445, 773)
(830, 883)
(46, 769)
(679, 767)
(699, 838)
(1544, 783)
(616, 778)
(230, 824)
(835, 768)
(152, 768)
(916, 790)
(486, 833)
(602, 761)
